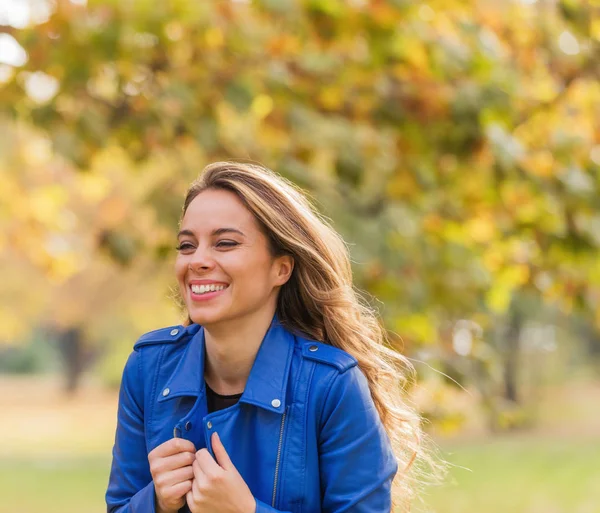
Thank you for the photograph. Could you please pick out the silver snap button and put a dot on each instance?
(313, 348)
(174, 332)
(209, 424)
(166, 392)
(276, 403)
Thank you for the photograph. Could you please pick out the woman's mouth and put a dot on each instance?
(208, 291)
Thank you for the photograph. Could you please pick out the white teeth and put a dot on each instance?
(203, 289)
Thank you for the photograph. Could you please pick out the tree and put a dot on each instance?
(455, 144)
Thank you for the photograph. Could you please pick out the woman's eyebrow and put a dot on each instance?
(221, 231)
(218, 231)
(185, 232)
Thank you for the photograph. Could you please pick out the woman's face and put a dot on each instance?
(224, 267)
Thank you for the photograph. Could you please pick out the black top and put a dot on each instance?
(216, 402)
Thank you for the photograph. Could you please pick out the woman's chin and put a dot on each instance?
(204, 317)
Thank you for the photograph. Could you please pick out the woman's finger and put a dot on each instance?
(171, 497)
(207, 463)
(181, 489)
(201, 482)
(192, 497)
(173, 477)
(172, 446)
(220, 453)
(189, 497)
(161, 466)
(183, 459)
(179, 475)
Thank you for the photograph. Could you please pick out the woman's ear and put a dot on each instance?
(284, 266)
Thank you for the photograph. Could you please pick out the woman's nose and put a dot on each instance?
(201, 260)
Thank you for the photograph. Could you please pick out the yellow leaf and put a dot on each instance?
(64, 267)
(481, 229)
(432, 223)
(12, 327)
(515, 275)
(37, 151)
(94, 187)
(214, 37)
(112, 212)
(493, 259)
(46, 203)
(402, 185)
(498, 297)
(322, 163)
(331, 97)
(262, 106)
(595, 28)
(417, 326)
(539, 163)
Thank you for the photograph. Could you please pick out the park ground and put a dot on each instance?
(55, 454)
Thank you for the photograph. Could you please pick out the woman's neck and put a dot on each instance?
(231, 350)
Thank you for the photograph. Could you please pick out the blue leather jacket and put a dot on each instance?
(305, 435)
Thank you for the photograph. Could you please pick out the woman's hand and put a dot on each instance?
(218, 486)
(172, 473)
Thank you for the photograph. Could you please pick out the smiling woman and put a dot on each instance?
(221, 244)
(278, 393)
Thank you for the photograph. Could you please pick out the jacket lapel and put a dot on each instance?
(267, 383)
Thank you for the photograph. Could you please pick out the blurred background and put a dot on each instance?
(454, 144)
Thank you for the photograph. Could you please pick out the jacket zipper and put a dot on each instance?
(278, 461)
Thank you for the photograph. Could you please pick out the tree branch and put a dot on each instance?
(7, 29)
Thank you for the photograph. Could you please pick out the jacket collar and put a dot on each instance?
(267, 383)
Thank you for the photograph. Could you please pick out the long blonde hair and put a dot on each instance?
(320, 301)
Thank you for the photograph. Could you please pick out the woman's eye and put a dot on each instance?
(184, 246)
(226, 244)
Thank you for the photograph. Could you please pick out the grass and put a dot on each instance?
(524, 474)
(516, 475)
(55, 456)
(53, 485)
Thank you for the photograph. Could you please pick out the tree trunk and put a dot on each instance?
(512, 355)
(70, 345)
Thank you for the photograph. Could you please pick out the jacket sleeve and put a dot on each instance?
(130, 486)
(262, 507)
(356, 460)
